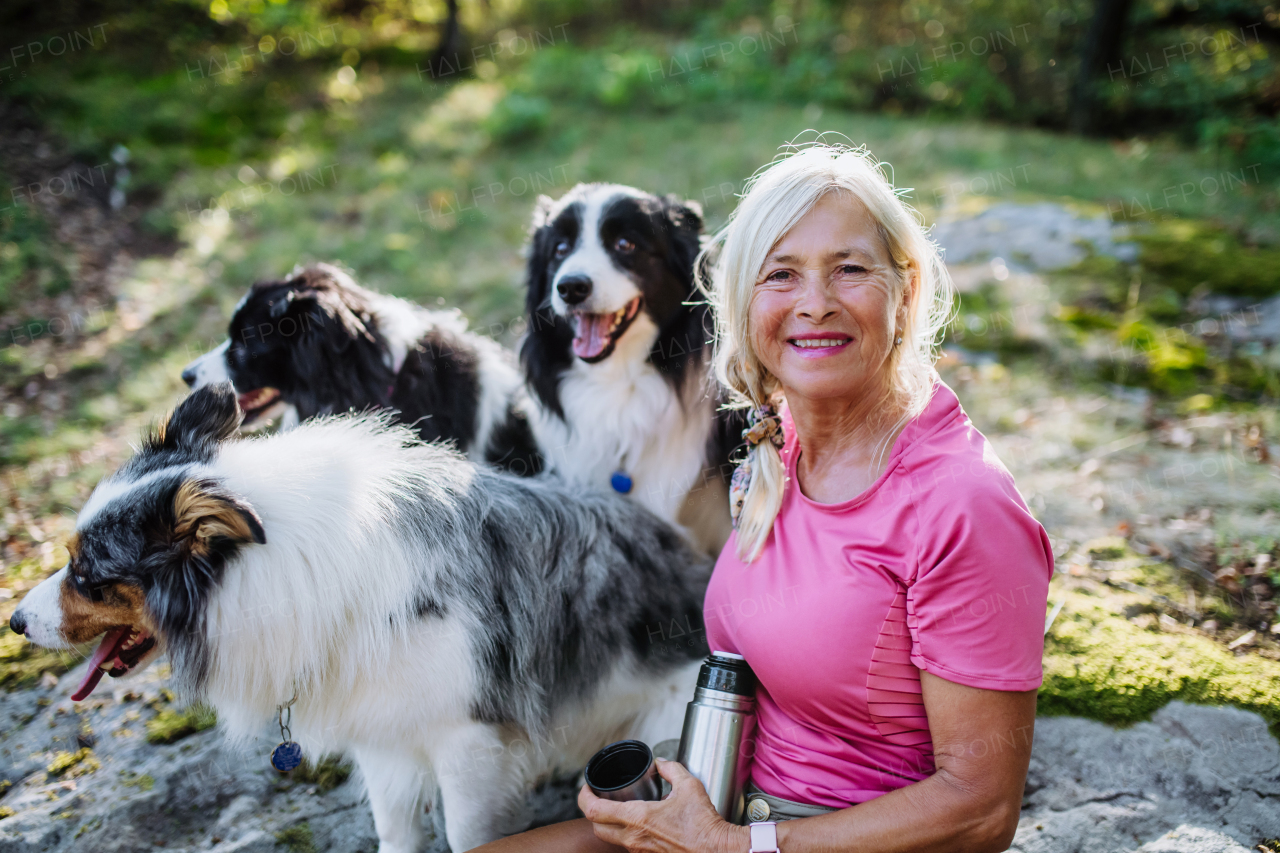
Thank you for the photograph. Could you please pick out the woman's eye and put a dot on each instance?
(852, 269)
(778, 275)
(562, 248)
(623, 245)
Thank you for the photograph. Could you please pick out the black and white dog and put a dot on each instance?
(453, 628)
(316, 343)
(617, 387)
(618, 352)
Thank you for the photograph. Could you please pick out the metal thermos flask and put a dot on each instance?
(717, 723)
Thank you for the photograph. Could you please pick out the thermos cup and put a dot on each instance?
(624, 771)
(716, 724)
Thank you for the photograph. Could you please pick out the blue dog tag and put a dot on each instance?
(287, 756)
(621, 482)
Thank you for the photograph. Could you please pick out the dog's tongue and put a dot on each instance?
(106, 650)
(593, 335)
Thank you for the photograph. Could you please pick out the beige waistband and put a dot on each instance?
(761, 806)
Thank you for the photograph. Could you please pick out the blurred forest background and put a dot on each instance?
(156, 158)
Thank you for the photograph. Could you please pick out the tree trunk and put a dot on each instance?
(1100, 51)
(449, 58)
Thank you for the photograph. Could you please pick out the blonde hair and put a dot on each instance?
(776, 198)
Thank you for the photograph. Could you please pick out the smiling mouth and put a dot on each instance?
(818, 343)
(118, 654)
(596, 335)
(254, 403)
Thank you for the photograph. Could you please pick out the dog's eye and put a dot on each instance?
(623, 245)
(562, 248)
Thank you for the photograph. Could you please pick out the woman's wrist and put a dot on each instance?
(735, 839)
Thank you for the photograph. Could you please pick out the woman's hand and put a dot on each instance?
(684, 822)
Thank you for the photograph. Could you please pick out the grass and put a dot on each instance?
(297, 838)
(329, 773)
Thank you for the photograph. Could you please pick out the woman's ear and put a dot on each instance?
(909, 291)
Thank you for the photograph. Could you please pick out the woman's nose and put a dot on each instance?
(815, 301)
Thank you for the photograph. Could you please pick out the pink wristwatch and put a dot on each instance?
(764, 837)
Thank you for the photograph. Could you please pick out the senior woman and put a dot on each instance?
(885, 581)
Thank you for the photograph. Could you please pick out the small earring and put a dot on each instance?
(897, 340)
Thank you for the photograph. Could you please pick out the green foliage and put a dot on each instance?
(1099, 665)
(31, 261)
(171, 725)
(518, 118)
(297, 838)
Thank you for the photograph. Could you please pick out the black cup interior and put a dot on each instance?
(618, 765)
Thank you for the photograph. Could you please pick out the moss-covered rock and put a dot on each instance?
(1187, 253)
(73, 764)
(172, 725)
(1099, 665)
(297, 838)
(327, 774)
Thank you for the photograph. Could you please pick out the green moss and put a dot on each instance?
(22, 664)
(72, 764)
(331, 772)
(89, 826)
(297, 838)
(171, 725)
(1187, 253)
(1099, 665)
(5, 812)
(1108, 548)
(129, 779)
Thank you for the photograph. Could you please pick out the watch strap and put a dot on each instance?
(764, 837)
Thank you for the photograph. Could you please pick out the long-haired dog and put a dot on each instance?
(451, 627)
(317, 343)
(618, 350)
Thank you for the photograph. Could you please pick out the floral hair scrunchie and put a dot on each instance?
(763, 424)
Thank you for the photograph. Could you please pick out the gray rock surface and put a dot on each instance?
(1193, 780)
(1031, 237)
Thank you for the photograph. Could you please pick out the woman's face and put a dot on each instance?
(827, 304)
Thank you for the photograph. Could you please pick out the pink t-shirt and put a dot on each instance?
(937, 566)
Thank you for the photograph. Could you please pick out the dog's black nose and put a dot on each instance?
(17, 624)
(189, 376)
(574, 289)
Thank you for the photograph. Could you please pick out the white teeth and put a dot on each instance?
(809, 343)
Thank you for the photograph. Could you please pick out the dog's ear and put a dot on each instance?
(205, 518)
(281, 306)
(541, 212)
(683, 214)
(685, 221)
(209, 414)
